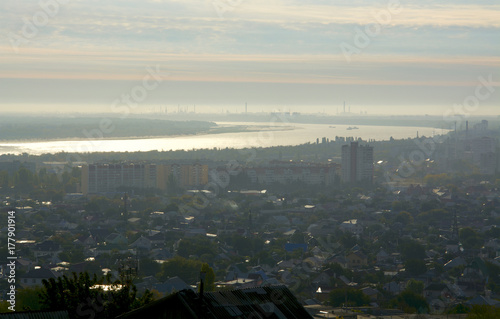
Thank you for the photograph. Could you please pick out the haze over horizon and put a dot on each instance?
(380, 57)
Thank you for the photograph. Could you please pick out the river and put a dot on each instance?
(261, 135)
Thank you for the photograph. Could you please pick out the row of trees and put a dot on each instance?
(40, 184)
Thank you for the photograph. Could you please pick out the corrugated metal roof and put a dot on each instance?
(35, 315)
(262, 302)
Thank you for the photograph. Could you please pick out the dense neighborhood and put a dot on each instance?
(343, 249)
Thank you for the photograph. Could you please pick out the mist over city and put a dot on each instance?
(249, 159)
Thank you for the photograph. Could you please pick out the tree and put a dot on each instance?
(73, 254)
(172, 185)
(149, 267)
(24, 180)
(411, 249)
(77, 295)
(415, 267)
(484, 312)
(209, 284)
(27, 299)
(460, 308)
(196, 246)
(246, 246)
(188, 270)
(469, 238)
(4, 180)
(411, 303)
(415, 286)
(404, 218)
(348, 297)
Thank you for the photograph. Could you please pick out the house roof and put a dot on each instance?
(35, 315)
(358, 254)
(47, 245)
(269, 302)
(40, 273)
(113, 236)
(290, 247)
(171, 285)
(481, 300)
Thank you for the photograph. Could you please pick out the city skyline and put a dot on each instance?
(387, 57)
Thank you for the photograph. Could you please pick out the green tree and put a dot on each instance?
(4, 306)
(188, 270)
(73, 254)
(24, 180)
(470, 238)
(209, 277)
(484, 312)
(28, 299)
(198, 246)
(460, 308)
(411, 302)
(412, 249)
(415, 286)
(172, 185)
(4, 180)
(149, 267)
(77, 295)
(404, 218)
(246, 246)
(348, 297)
(415, 267)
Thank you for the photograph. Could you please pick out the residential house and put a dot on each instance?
(352, 226)
(371, 293)
(47, 248)
(356, 260)
(142, 243)
(115, 239)
(35, 277)
(382, 257)
(171, 285)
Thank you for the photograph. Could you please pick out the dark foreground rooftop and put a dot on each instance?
(261, 302)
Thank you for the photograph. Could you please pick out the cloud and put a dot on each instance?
(426, 43)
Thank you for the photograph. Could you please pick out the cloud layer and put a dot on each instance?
(413, 44)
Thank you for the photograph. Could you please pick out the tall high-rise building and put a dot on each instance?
(357, 163)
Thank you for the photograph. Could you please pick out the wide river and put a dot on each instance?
(261, 135)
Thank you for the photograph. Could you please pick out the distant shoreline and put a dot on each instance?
(215, 130)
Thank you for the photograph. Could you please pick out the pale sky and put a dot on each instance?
(382, 57)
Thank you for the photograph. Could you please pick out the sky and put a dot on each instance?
(379, 57)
